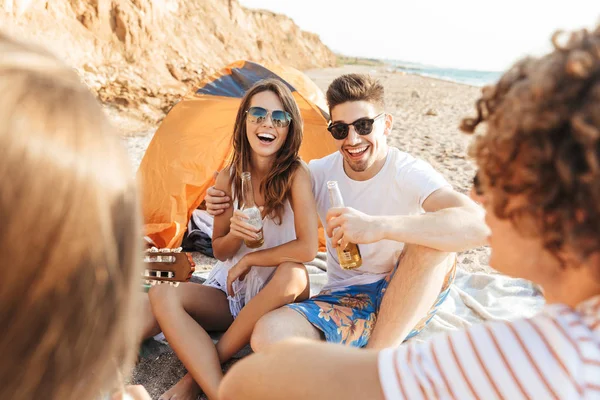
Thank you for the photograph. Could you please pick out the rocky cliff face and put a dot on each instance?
(140, 56)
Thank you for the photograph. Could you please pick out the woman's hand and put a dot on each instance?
(238, 271)
(241, 229)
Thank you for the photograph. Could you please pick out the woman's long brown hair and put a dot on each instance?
(69, 235)
(276, 186)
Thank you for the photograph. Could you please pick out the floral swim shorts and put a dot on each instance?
(348, 316)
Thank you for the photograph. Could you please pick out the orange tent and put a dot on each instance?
(194, 141)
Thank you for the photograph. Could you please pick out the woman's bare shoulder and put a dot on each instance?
(302, 172)
(223, 179)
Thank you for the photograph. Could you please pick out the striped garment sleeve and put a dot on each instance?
(525, 359)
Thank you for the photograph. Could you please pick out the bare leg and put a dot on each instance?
(301, 369)
(288, 284)
(150, 324)
(281, 324)
(410, 294)
(185, 314)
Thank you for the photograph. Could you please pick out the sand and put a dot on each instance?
(427, 113)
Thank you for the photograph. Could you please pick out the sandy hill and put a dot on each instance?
(139, 56)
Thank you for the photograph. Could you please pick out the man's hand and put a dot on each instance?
(347, 225)
(239, 270)
(216, 201)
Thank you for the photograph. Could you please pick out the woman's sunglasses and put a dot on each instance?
(258, 115)
(362, 126)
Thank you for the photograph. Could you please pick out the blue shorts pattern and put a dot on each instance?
(348, 316)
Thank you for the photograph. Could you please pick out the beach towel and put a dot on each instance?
(474, 297)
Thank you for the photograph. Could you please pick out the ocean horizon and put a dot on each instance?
(464, 76)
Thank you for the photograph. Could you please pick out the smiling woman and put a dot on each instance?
(271, 112)
(248, 282)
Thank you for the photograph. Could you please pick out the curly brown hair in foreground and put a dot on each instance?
(542, 146)
(69, 235)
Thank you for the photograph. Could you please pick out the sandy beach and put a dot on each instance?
(427, 113)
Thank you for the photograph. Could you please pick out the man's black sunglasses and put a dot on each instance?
(362, 126)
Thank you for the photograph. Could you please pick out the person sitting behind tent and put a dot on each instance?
(69, 230)
(246, 283)
(540, 184)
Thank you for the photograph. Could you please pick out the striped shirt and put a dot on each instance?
(554, 355)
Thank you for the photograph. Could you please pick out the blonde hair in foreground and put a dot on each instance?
(68, 235)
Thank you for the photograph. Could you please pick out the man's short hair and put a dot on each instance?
(355, 87)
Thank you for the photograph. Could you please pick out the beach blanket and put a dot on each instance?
(473, 298)
(480, 297)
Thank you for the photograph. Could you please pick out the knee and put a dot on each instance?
(264, 333)
(411, 249)
(159, 295)
(425, 256)
(156, 293)
(291, 276)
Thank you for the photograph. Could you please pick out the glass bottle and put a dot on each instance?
(349, 256)
(248, 207)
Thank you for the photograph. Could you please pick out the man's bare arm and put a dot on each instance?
(452, 222)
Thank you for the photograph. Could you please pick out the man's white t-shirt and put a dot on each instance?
(400, 188)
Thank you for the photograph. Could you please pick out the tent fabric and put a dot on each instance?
(238, 81)
(194, 141)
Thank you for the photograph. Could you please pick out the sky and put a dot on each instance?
(468, 34)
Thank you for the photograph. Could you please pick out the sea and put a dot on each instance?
(465, 76)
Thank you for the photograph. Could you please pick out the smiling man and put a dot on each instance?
(407, 220)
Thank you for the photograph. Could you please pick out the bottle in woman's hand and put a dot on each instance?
(250, 208)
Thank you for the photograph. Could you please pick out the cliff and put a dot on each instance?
(140, 56)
